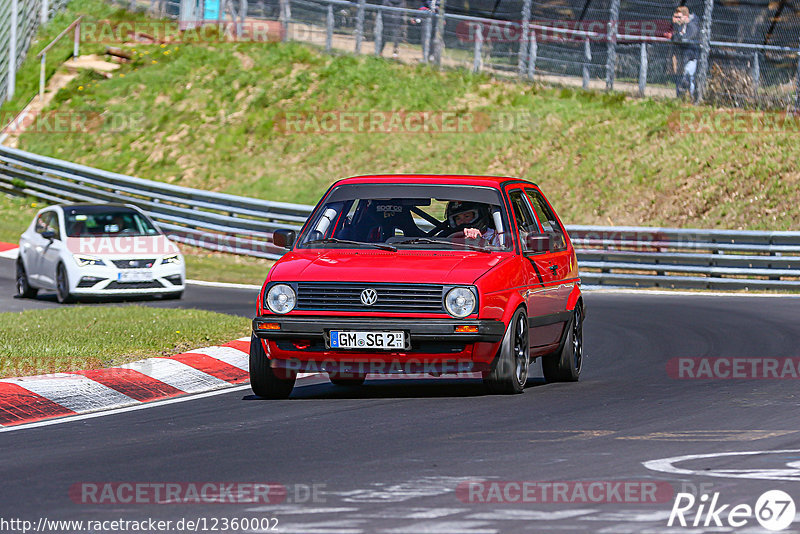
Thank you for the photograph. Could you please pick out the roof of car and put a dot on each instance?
(93, 204)
(443, 179)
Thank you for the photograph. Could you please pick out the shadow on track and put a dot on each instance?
(397, 389)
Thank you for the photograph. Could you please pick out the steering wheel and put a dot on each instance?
(438, 228)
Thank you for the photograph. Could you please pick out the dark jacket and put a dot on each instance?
(687, 40)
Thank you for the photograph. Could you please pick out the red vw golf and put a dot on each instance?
(421, 274)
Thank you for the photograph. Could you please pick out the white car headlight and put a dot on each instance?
(175, 258)
(281, 298)
(459, 302)
(85, 261)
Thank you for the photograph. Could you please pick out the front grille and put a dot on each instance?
(134, 264)
(134, 285)
(410, 298)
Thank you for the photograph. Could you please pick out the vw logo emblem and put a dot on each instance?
(369, 296)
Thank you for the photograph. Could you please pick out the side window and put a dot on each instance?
(547, 218)
(525, 221)
(48, 221)
(41, 222)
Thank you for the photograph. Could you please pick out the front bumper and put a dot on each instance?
(316, 329)
(102, 280)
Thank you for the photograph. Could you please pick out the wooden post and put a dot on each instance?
(533, 51)
(438, 45)
(77, 41)
(378, 32)
(477, 57)
(705, 50)
(42, 74)
(611, 46)
(756, 73)
(329, 28)
(523, 43)
(284, 19)
(12, 50)
(642, 68)
(426, 37)
(359, 25)
(587, 60)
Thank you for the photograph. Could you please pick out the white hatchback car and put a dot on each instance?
(95, 250)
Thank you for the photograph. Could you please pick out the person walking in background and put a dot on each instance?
(685, 36)
(394, 25)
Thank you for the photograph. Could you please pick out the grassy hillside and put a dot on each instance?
(211, 116)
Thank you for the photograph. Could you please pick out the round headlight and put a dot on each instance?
(281, 298)
(459, 302)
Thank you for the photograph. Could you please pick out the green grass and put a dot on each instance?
(78, 337)
(210, 115)
(16, 214)
(27, 85)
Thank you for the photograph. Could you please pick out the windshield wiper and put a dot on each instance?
(381, 246)
(429, 241)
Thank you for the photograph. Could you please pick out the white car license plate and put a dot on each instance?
(367, 340)
(135, 276)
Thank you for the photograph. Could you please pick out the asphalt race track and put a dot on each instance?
(233, 301)
(394, 456)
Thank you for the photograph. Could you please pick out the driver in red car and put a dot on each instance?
(472, 219)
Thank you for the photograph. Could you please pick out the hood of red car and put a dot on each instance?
(432, 267)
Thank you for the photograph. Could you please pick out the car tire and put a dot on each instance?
(347, 379)
(565, 365)
(62, 285)
(509, 370)
(24, 289)
(263, 379)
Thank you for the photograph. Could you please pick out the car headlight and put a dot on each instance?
(459, 302)
(175, 258)
(85, 261)
(281, 298)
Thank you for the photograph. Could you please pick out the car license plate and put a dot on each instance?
(367, 340)
(135, 276)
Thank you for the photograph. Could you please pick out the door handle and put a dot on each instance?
(554, 268)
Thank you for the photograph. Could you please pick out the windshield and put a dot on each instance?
(409, 216)
(107, 222)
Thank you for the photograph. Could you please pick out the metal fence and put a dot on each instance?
(612, 256)
(19, 20)
(749, 53)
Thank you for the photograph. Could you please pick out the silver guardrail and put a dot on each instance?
(607, 255)
(206, 219)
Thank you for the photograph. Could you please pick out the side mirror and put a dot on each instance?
(537, 243)
(283, 238)
(49, 235)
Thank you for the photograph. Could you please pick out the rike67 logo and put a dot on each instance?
(774, 510)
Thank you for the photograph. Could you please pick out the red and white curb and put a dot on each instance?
(9, 250)
(34, 398)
